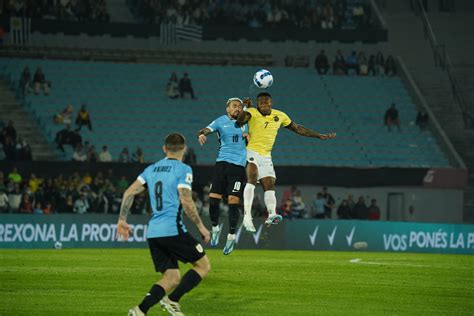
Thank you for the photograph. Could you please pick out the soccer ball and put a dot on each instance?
(58, 245)
(263, 79)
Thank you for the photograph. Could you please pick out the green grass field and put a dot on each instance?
(109, 281)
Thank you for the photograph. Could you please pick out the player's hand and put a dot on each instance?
(123, 230)
(246, 136)
(328, 136)
(247, 102)
(206, 235)
(202, 139)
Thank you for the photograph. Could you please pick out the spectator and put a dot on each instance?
(9, 131)
(22, 150)
(319, 205)
(363, 64)
(79, 154)
(360, 209)
(34, 183)
(422, 120)
(391, 118)
(380, 64)
(172, 90)
(374, 211)
(14, 176)
(65, 117)
(289, 193)
(297, 205)
(351, 204)
(358, 15)
(286, 209)
(344, 211)
(25, 81)
(25, 205)
(40, 83)
(321, 63)
(38, 209)
(372, 68)
(411, 213)
(66, 205)
(9, 148)
(92, 154)
(105, 155)
(390, 67)
(138, 156)
(351, 63)
(14, 198)
(327, 19)
(4, 206)
(48, 209)
(122, 184)
(185, 86)
(328, 206)
(63, 137)
(189, 157)
(124, 156)
(83, 118)
(339, 66)
(81, 206)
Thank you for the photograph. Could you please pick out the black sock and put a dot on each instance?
(154, 296)
(190, 280)
(234, 214)
(214, 210)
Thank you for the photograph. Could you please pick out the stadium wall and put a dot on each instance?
(98, 231)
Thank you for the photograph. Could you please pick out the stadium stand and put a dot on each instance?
(129, 107)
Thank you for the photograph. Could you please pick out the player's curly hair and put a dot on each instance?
(175, 142)
(264, 94)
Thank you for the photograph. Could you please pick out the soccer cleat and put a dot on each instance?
(248, 224)
(173, 308)
(229, 246)
(135, 311)
(273, 219)
(214, 237)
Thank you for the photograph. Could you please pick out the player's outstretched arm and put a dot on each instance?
(202, 135)
(186, 199)
(123, 229)
(303, 131)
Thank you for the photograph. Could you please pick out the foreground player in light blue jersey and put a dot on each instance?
(169, 187)
(229, 172)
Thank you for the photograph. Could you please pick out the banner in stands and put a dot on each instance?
(76, 231)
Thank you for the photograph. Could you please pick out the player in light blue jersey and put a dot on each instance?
(169, 187)
(229, 172)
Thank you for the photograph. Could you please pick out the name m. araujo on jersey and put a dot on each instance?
(232, 144)
(163, 179)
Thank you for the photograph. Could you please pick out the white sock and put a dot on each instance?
(215, 228)
(248, 198)
(270, 202)
(231, 237)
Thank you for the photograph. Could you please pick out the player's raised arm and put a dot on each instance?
(186, 199)
(245, 116)
(202, 135)
(123, 229)
(303, 131)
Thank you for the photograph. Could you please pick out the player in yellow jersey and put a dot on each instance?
(264, 123)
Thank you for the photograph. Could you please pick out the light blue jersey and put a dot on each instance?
(232, 144)
(163, 179)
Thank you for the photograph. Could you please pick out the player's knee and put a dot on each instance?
(203, 267)
(171, 279)
(233, 199)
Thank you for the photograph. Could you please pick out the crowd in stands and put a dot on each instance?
(322, 206)
(75, 10)
(324, 14)
(178, 89)
(13, 147)
(34, 85)
(355, 63)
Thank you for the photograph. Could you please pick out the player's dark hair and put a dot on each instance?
(264, 94)
(175, 142)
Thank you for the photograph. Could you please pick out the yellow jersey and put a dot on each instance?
(264, 129)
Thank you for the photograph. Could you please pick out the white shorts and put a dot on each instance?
(264, 164)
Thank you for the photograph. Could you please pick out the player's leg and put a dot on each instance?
(234, 214)
(218, 187)
(267, 178)
(249, 191)
(168, 265)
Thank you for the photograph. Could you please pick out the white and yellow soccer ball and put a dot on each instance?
(263, 79)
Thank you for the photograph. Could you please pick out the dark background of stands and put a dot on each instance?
(210, 32)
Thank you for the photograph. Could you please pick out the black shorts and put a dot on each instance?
(167, 251)
(228, 179)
